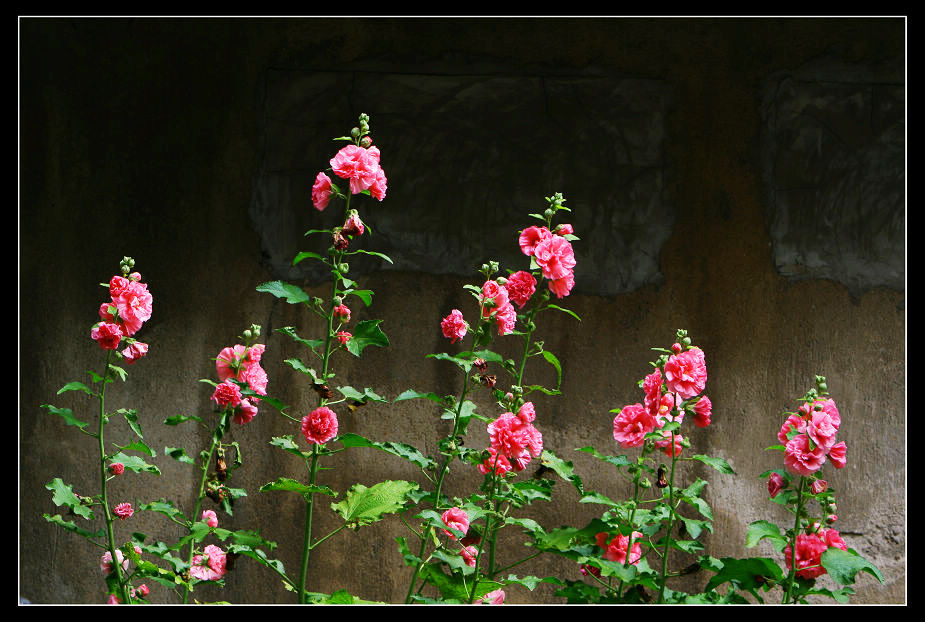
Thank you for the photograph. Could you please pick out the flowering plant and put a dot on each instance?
(359, 164)
(463, 566)
(120, 319)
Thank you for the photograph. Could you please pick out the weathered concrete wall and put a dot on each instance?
(192, 145)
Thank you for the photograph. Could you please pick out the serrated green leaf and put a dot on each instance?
(717, 463)
(67, 414)
(64, 495)
(178, 454)
(167, 508)
(72, 527)
(293, 294)
(552, 360)
(563, 469)
(570, 312)
(366, 333)
(178, 419)
(761, 529)
(362, 505)
(306, 255)
(137, 445)
(287, 444)
(596, 497)
(134, 463)
(843, 566)
(374, 253)
(368, 395)
(290, 332)
(118, 371)
(366, 295)
(75, 386)
(131, 416)
(406, 452)
(462, 363)
(617, 461)
(411, 394)
(291, 485)
(746, 574)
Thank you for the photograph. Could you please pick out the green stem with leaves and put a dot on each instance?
(663, 578)
(791, 575)
(107, 513)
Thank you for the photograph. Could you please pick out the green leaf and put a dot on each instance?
(617, 461)
(290, 332)
(366, 333)
(287, 444)
(293, 294)
(406, 452)
(117, 371)
(411, 394)
(761, 529)
(137, 445)
(366, 252)
(178, 419)
(596, 497)
(563, 469)
(167, 508)
(367, 395)
(362, 505)
(462, 363)
(72, 527)
(746, 574)
(291, 485)
(717, 463)
(64, 495)
(131, 416)
(134, 463)
(552, 360)
(695, 527)
(306, 255)
(178, 454)
(558, 308)
(366, 295)
(67, 414)
(75, 386)
(842, 566)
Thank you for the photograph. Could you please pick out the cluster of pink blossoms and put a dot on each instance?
(106, 565)
(513, 441)
(358, 164)
(615, 549)
(210, 565)
(457, 519)
(554, 255)
(496, 304)
(667, 399)
(810, 547)
(809, 438)
(129, 307)
(241, 364)
(320, 425)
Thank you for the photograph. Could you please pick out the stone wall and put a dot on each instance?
(740, 178)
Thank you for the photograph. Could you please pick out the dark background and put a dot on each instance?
(740, 178)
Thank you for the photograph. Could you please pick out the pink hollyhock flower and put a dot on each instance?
(210, 518)
(256, 378)
(514, 438)
(494, 297)
(211, 565)
(809, 550)
(821, 429)
(320, 425)
(123, 510)
(135, 352)
(357, 164)
(829, 408)
(342, 312)
(506, 319)
(106, 312)
(227, 394)
(495, 462)
(530, 237)
(143, 590)
(134, 304)
(229, 361)
(666, 445)
(686, 373)
(353, 226)
(555, 257)
(321, 191)
(255, 352)
(669, 402)
(775, 484)
(117, 285)
(454, 326)
(793, 422)
(343, 337)
(818, 486)
(457, 519)
(520, 287)
(117, 468)
(113, 600)
(469, 553)
(493, 598)
(837, 455)
(615, 550)
(703, 409)
(106, 561)
(799, 459)
(652, 387)
(564, 229)
(631, 425)
(107, 335)
(244, 413)
(379, 186)
(587, 569)
(562, 287)
(527, 412)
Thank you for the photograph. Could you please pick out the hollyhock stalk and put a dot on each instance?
(791, 574)
(126, 596)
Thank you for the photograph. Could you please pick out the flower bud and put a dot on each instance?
(645, 483)
(355, 133)
(819, 486)
(831, 518)
(676, 348)
(549, 212)
(831, 508)
(501, 280)
(338, 301)
(247, 334)
(343, 268)
(687, 342)
(366, 142)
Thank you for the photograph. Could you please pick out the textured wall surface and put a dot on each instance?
(742, 179)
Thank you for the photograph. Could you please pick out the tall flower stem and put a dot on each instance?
(671, 512)
(791, 575)
(126, 597)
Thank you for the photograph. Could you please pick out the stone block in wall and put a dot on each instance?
(834, 168)
(467, 158)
